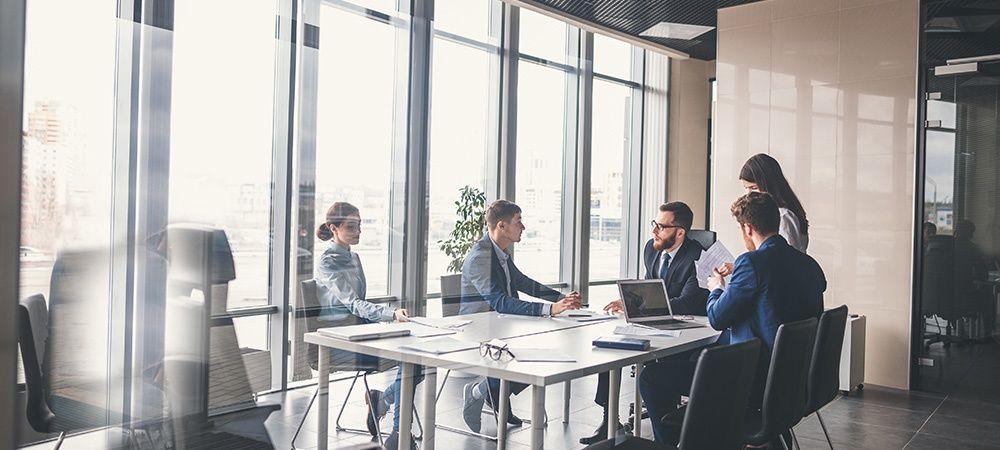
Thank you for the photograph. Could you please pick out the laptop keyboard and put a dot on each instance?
(663, 322)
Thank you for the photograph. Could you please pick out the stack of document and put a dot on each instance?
(639, 330)
(715, 256)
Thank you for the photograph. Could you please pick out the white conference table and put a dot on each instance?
(570, 337)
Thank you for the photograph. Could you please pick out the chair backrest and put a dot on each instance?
(824, 370)
(704, 238)
(785, 391)
(339, 359)
(32, 315)
(720, 391)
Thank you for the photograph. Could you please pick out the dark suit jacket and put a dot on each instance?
(773, 285)
(686, 297)
(484, 284)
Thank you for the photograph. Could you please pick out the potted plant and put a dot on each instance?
(471, 211)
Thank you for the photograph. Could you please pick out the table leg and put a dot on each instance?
(637, 404)
(537, 416)
(566, 395)
(430, 406)
(502, 414)
(614, 387)
(405, 406)
(323, 391)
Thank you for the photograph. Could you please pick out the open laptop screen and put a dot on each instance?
(644, 298)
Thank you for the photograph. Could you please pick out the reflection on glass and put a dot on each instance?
(541, 100)
(459, 141)
(66, 207)
(611, 140)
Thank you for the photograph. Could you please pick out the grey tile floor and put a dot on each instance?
(874, 418)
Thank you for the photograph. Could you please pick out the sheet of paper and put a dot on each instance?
(714, 257)
(584, 315)
(444, 322)
(441, 345)
(422, 331)
(540, 355)
(636, 330)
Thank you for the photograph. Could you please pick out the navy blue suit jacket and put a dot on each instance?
(770, 286)
(686, 297)
(484, 284)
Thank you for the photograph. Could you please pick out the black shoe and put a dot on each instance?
(512, 420)
(600, 434)
(375, 398)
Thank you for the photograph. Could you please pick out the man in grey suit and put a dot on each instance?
(491, 281)
(670, 256)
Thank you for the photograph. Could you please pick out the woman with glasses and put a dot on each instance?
(341, 285)
(762, 173)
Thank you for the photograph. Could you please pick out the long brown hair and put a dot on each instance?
(336, 215)
(765, 172)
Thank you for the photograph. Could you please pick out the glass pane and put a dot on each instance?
(66, 203)
(355, 135)
(467, 18)
(611, 134)
(222, 113)
(943, 111)
(460, 126)
(541, 130)
(543, 37)
(612, 57)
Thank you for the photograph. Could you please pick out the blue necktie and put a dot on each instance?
(664, 265)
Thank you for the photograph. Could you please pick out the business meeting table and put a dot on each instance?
(565, 336)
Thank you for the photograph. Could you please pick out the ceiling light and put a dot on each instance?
(670, 30)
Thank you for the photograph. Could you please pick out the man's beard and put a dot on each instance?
(749, 243)
(664, 244)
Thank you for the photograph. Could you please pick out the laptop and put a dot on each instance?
(366, 331)
(646, 304)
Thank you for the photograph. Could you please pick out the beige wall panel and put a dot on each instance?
(839, 116)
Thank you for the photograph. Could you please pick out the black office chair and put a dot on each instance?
(341, 360)
(824, 370)
(713, 417)
(704, 238)
(784, 401)
(32, 315)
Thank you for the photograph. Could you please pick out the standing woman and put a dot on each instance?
(761, 173)
(341, 286)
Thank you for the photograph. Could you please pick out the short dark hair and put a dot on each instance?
(759, 210)
(683, 215)
(500, 210)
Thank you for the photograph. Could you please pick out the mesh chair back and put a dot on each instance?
(704, 238)
(720, 391)
(32, 315)
(340, 360)
(785, 392)
(824, 370)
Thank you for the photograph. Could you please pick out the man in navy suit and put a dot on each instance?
(669, 256)
(772, 284)
(491, 281)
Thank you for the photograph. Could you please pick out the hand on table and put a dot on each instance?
(565, 304)
(614, 307)
(401, 315)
